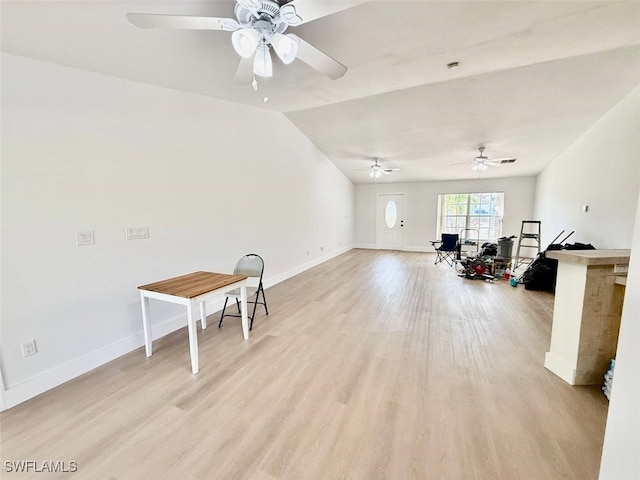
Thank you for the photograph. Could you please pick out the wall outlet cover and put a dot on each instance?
(29, 348)
(85, 238)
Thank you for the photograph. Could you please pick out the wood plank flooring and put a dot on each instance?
(374, 365)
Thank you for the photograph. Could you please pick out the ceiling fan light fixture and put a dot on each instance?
(285, 46)
(245, 41)
(262, 63)
(375, 173)
(479, 167)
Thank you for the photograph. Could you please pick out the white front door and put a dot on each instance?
(390, 221)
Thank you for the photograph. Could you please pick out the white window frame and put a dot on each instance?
(489, 225)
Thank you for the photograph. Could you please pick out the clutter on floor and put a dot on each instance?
(542, 271)
(475, 268)
(493, 261)
(608, 379)
(485, 265)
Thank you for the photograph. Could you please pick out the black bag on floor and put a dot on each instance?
(543, 271)
(541, 274)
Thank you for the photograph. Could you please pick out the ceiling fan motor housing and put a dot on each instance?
(266, 19)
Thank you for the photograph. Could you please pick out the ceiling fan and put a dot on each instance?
(259, 26)
(376, 170)
(482, 162)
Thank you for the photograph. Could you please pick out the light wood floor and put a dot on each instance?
(374, 365)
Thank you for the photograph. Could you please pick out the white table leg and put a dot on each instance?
(146, 325)
(203, 315)
(243, 302)
(193, 338)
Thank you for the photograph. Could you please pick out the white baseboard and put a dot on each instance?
(3, 396)
(78, 366)
(10, 397)
(281, 277)
(422, 249)
(368, 246)
(561, 367)
(406, 248)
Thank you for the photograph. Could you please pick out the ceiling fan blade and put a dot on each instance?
(298, 12)
(251, 5)
(319, 60)
(500, 161)
(389, 170)
(244, 72)
(154, 20)
(460, 163)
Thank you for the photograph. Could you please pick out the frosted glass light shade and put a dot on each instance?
(245, 41)
(262, 64)
(286, 47)
(479, 167)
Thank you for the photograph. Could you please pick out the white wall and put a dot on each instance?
(620, 459)
(211, 179)
(602, 170)
(421, 206)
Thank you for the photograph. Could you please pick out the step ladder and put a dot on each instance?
(530, 233)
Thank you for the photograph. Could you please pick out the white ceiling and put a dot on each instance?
(533, 76)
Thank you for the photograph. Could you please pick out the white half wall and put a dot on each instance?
(211, 179)
(421, 207)
(620, 460)
(601, 170)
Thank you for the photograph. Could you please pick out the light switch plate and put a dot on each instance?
(136, 233)
(85, 238)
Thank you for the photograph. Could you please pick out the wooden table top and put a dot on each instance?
(192, 284)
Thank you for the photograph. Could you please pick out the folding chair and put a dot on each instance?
(251, 266)
(447, 249)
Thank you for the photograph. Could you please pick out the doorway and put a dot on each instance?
(390, 221)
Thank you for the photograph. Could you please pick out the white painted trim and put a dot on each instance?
(405, 248)
(424, 249)
(368, 246)
(3, 396)
(561, 367)
(78, 366)
(74, 368)
(268, 282)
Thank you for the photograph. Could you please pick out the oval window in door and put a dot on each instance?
(390, 214)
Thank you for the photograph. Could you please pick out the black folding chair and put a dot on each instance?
(446, 248)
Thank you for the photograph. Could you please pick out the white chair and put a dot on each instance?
(251, 266)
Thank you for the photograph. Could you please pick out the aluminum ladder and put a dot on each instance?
(530, 233)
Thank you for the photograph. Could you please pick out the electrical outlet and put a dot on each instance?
(29, 348)
(85, 238)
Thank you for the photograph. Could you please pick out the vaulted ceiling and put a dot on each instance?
(532, 76)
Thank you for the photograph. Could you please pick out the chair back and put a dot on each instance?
(251, 265)
(449, 241)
